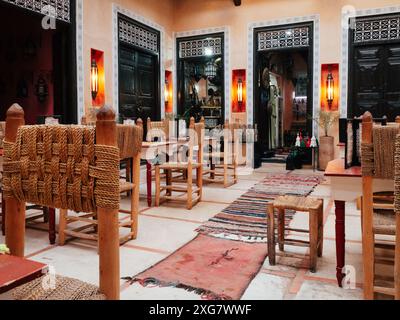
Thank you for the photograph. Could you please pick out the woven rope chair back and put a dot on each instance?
(157, 129)
(378, 157)
(129, 139)
(61, 167)
(397, 176)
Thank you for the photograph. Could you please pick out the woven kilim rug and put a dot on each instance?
(213, 265)
(245, 219)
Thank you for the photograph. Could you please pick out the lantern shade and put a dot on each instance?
(94, 79)
(330, 91)
(240, 91)
(330, 81)
(210, 71)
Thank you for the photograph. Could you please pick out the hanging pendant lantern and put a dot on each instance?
(42, 90)
(210, 71)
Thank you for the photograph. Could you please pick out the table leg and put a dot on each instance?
(149, 199)
(52, 225)
(3, 214)
(340, 240)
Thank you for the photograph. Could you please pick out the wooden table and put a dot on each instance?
(150, 151)
(16, 271)
(346, 185)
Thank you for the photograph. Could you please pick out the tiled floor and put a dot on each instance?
(163, 230)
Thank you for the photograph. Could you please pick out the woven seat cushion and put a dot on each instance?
(384, 219)
(125, 186)
(297, 203)
(63, 288)
(384, 222)
(178, 165)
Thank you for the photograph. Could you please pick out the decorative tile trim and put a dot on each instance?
(344, 70)
(61, 7)
(316, 68)
(227, 71)
(377, 29)
(116, 9)
(138, 36)
(198, 48)
(80, 74)
(284, 38)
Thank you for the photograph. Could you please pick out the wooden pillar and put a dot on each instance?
(15, 210)
(367, 213)
(108, 226)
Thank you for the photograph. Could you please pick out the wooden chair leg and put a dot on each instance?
(226, 179)
(313, 216)
(129, 176)
(235, 179)
(158, 186)
(321, 231)
(271, 235)
(52, 224)
(281, 229)
(62, 224)
(397, 259)
(168, 174)
(199, 178)
(135, 195)
(189, 188)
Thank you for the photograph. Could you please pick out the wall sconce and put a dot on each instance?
(166, 92)
(240, 92)
(94, 79)
(330, 88)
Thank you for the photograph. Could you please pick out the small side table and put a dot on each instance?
(15, 271)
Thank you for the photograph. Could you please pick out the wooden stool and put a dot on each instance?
(315, 209)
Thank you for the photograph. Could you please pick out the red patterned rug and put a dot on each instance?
(245, 219)
(212, 264)
(216, 269)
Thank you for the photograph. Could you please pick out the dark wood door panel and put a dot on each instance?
(374, 81)
(138, 90)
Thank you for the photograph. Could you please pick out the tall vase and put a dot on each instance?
(326, 151)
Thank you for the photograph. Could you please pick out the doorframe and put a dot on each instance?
(227, 66)
(310, 69)
(316, 61)
(348, 13)
(117, 9)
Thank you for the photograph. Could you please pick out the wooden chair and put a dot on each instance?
(129, 140)
(380, 160)
(315, 209)
(157, 130)
(65, 167)
(222, 164)
(189, 192)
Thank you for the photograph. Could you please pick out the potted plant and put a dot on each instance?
(326, 119)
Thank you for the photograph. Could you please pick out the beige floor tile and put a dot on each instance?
(313, 290)
(267, 287)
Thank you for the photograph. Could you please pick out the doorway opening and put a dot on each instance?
(36, 64)
(283, 94)
(200, 78)
(139, 71)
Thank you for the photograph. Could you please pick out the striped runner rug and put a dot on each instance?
(245, 219)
